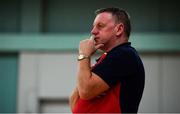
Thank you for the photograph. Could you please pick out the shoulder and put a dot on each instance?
(122, 51)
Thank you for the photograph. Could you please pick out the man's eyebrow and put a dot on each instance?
(101, 24)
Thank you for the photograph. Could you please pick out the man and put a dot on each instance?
(115, 83)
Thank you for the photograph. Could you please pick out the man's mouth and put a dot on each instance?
(96, 39)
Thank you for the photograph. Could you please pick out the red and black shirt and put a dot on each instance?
(122, 69)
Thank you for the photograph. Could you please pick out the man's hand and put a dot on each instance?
(88, 47)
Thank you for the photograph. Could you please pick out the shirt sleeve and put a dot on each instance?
(114, 68)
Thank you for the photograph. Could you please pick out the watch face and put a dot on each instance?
(81, 56)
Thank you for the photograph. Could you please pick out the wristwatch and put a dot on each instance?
(82, 56)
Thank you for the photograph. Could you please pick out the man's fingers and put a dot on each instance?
(92, 37)
(99, 46)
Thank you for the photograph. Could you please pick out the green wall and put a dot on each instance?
(143, 42)
(8, 82)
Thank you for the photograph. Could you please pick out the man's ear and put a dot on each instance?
(119, 29)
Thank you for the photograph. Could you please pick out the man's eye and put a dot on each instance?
(101, 26)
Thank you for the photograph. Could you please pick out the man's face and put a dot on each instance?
(103, 28)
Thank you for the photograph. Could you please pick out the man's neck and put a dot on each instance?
(116, 43)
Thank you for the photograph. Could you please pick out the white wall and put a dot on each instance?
(47, 79)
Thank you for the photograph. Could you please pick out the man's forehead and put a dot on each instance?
(103, 17)
(105, 14)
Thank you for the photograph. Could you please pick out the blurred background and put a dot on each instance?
(38, 51)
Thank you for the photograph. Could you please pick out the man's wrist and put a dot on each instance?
(82, 56)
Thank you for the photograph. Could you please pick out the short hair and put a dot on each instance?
(121, 16)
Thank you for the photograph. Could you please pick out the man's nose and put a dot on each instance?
(94, 31)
